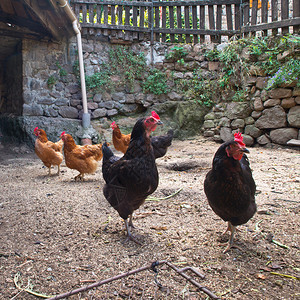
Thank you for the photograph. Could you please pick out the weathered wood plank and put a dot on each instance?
(219, 21)
(84, 13)
(127, 14)
(164, 22)
(296, 13)
(105, 13)
(237, 17)
(264, 14)
(158, 3)
(91, 13)
(179, 22)
(157, 22)
(211, 21)
(171, 16)
(254, 12)
(187, 23)
(274, 11)
(285, 14)
(113, 14)
(166, 30)
(120, 14)
(276, 24)
(202, 22)
(195, 23)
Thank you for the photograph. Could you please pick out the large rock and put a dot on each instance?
(226, 134)
(68, 112)
(274, 117)
(238, 110)
(263, 140)
(283, 135)
(294, 116)
(253, 131)
(280, 93)
(32, 110)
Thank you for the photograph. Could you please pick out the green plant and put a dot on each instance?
(156, 82)
(240, 96)
(286, 74)
(51, 81)
(177, 54)
(128, 65)
(62, 71)
(202, 89)
(99, 80)
(212, 55)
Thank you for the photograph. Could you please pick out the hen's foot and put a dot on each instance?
(79, 177)
(132, 238)
(129, 235)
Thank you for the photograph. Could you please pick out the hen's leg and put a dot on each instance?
(130, 221)
(49, 171)
(230, 228)
(58, 169)
(129, 235)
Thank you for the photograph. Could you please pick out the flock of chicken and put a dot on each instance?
(229, 185)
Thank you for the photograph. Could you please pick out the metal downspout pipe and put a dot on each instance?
(86, 118)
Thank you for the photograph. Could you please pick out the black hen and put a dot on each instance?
(161, 143)
(230, 187)
(130, 179)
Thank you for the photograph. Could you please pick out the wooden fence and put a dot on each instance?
(186, 21)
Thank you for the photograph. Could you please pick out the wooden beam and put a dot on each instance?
(45, 19)
(23, 22)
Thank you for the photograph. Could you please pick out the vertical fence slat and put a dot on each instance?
(77, 10)
(274, 5)
(264, 14)
(105, 13)
(113, 14)
(296, 13)
(254, 12)
(84, 12)
(229, 18)
(202, 21)
(187, 22)
(195, 23)
(211, 20)
(219, 20)
(134, 16)
(142, 22)
(120, 14)
(237, 17)
(157, 22)
(151, 20)
(92, 13)
(285, 14)
(98, 12)
(179, 22)
(164, 22)
(127, 14)
(171, 16)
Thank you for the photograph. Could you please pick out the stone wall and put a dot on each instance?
(269, 117)
(48, 92)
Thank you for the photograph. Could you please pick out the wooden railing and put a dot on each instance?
(186, 21)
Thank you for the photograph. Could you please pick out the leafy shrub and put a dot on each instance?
(286, 74)
(156, 82)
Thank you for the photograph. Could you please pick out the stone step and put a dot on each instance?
(293, 142)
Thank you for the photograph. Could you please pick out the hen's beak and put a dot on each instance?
(245, 150)
(159, 122)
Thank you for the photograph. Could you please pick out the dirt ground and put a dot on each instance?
(58, 235)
